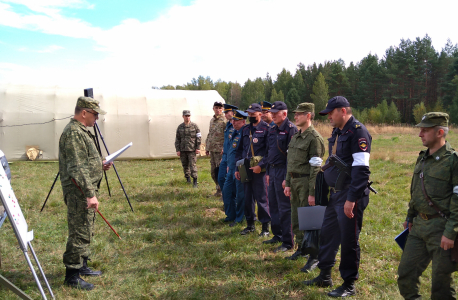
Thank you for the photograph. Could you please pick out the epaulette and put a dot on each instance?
(357, 125)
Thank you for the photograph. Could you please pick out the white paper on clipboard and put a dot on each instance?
(110, 158)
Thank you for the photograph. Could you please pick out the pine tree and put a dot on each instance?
(419, 110)
(320, 94)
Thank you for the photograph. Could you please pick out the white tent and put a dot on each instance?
(147, 118)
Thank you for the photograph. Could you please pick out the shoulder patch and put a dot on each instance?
(362, 143)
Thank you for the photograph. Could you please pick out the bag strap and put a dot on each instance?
(430, 203)
(278, 146)
(251, 144)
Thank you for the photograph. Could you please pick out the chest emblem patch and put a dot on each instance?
(362, 142)
(255, 140)
(230, 136)
(234, 145)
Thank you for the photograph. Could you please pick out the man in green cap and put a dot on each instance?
(187, 145)
(432, 217)
(81, 169)
(305, 153)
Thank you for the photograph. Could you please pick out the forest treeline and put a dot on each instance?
(409, 80)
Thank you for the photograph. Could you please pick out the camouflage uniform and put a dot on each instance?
(440, 173)
(78, 160)
(187, 141)
(214, 144)
(300, 176)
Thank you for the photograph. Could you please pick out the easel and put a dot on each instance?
(24, 238)
(89, 93)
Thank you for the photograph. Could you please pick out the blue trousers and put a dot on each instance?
(233, 192)
(256, 191)
(280, 208)
(337, 230)
(222, 173)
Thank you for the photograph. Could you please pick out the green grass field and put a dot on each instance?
(174, 246)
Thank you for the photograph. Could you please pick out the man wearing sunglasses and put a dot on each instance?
(81, 168)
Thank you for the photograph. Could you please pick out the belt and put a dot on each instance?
(298, 175)
(333, 189)
(277, 165)
(428, 217)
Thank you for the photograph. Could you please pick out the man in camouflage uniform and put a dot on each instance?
(81, 169)
(432, 235)
(301, 173)
(214, 143)
(187, 145)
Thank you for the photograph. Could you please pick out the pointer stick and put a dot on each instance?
(109, 224)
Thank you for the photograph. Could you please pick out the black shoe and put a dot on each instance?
(311, 264)
(225, 220)
(194, 182)
(86, 271)
(247, 230)
(322, 280)
(347, 289)
(265, 230)
(234, 224)
(73, 279)
(188, 180)
(296, 255)
(273, 240)
(281, 249)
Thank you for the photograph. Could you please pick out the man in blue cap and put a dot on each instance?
(233, 189)
(279, 204)
(252, 146)
(228, 131)
(350, 142)
(266, 113)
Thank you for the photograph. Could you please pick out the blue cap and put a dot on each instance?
(255, 107)
(265, 105)
(335, 102)
(277, 106)
(228, 107)
(239, 115)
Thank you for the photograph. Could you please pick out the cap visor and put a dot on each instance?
(326, 111)
(251, 110)
(274, 110)
(100, 111)
(421, 124)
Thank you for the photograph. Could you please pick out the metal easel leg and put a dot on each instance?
(34, 275)
(41, 270)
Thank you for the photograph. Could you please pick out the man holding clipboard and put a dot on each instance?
(81, 169)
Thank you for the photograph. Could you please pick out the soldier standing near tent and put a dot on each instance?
(81, 169)
(214, 143)
(432, 234)
(187, 145)
(301, 175)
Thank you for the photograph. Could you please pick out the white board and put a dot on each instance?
(14, 211)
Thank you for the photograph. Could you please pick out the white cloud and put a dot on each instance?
(238, 39)
(47, 49)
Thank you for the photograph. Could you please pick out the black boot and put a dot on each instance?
(265, 230)
(86, 271)
(249, 228)
(188, 180)
(322, 280)
(194, 182)
(73, 279)
(347, 289)
(311, 264)
(298, 254)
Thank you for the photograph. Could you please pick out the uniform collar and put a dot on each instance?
(439, 153)
(283, 125)
(345, 128)
(306, 132)
(81, 125)
(217, 117)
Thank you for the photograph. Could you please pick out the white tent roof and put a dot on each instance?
(147, 118)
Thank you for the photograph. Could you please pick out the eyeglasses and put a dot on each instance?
(95, 114)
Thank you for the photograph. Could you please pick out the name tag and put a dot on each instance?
(281, 132)
(259, 131)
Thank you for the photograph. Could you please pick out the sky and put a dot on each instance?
(141, 44)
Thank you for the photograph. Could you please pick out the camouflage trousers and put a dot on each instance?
(80, 228)
(215, 160)
(422, 247)
(188, 161)
(299, 198)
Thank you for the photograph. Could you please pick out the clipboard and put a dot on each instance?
(110, 158)
(402, 238)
